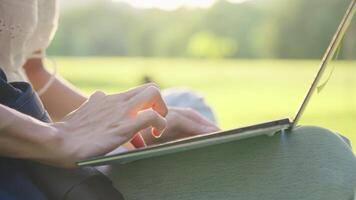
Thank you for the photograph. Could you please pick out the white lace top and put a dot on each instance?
(26, 26)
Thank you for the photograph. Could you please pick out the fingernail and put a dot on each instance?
(138, 141)
(156, 133)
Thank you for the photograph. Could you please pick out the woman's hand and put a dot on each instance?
(105, 122)
(181, 123)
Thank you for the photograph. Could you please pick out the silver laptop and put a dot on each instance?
(266, 128)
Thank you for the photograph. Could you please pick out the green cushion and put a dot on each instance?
(309, 163)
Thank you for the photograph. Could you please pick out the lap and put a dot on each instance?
(309, 163)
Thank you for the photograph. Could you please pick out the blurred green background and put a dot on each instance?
(252, 29)
(253, 61)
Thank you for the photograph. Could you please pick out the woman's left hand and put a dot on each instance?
(181, 123)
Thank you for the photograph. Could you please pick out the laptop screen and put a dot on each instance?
(330, 51)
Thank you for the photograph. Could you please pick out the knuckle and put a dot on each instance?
(154, 91)
(152, 85)
(97, 95)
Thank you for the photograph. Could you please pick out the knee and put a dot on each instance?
(311, 129)
(320, 132)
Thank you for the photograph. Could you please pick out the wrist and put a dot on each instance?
(24, 137)
(49, 146)
(63, 149)
(55, 146)
(49, 142)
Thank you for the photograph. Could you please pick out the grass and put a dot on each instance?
(241, 92)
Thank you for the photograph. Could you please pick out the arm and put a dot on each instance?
(22, 136)
(98, 126)
(61, 97)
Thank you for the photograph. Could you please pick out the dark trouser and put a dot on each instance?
(15, 184)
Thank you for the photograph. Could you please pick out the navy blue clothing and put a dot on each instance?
(15, 182)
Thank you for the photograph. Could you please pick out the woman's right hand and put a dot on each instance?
(105, 122)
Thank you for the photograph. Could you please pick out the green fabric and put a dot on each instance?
(310, 163)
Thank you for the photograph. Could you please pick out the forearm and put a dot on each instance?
(24, 137)
(61, 97)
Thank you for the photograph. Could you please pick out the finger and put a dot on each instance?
(197, 117)
(138, 141)
(149, 118)
(149, 98)
(134, 91)
(188, 125)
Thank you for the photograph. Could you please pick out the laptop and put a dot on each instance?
(267, 128)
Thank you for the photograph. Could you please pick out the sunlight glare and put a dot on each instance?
(169, 4)
(237, 1)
